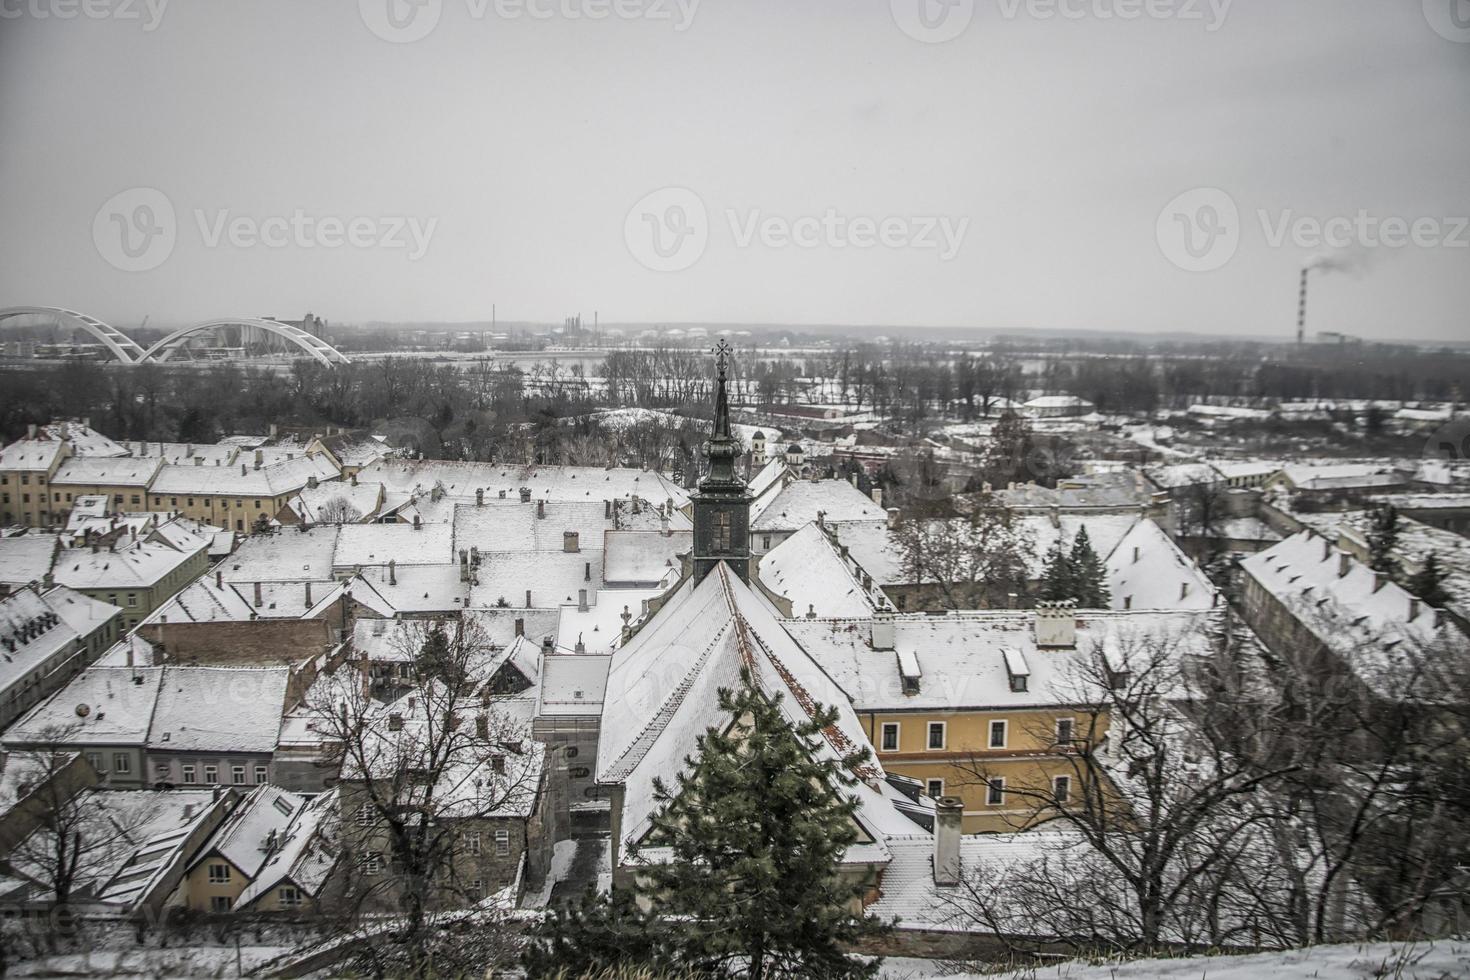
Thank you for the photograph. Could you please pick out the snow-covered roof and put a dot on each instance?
(121, 471)
(537, 526)
(962, 657)
(219, 709)
(553, 578)
(377, 544)
(1375, 627)
(807, 571)
(565, 483)
(101, 706)
(289, 555)
(1146, 570)
(305, 853)
(244, 480)
(662, 690)
(643, 557)
(185, 452)
(31, 455)
(1180, 475)
(410, 589)
(798, 503)
(26, 557)
(34, 627)
(136, 564)
(600, 625)
(250, 833)
(338, 502)
(572, 684)
(207, 601)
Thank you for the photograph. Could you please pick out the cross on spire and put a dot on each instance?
(721, 351)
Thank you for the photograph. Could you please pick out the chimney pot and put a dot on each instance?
(581, 600)
(258, 601)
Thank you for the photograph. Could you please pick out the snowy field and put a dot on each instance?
(1443, 960)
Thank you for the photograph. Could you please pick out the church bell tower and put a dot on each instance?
(722, 503)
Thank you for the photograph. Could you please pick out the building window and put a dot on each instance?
(766, 542)
(262, 774)
(121, 763)
(365, 815)
(995, 791)
(472, 842)
(936, 734)
(722, 531)
(132, 599)
(161, 772)
(219, 904)
(477, 889)
(934, 788)
(290, 897)
(1065, 727)
(211, 774)
(95, 761)
(890, 736)
(237, 775)
(219, 874)
(188, 774)
(370, 863)
(997, 734)
(1061, 788)
(502, 843)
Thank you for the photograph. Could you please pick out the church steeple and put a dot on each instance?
(722, 505)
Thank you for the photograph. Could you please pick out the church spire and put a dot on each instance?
(722, 449)
(722, 503)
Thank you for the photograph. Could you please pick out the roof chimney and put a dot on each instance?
(949, 815)
(480, 497)
(308, 595)
(571, 542)
(528, 598)
(1414, 606)
(259, 458)
(540, 509)
(1056, 624)
(878, 496)
(581, 600)
(520, 627)
(892, 518)
(258, 601)
(1344, 564)
(882, 636)
(418, 523)
(392, 572)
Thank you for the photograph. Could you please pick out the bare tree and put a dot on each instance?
(1165, 797)
(972, 563)
(338, 510)
(426, 781)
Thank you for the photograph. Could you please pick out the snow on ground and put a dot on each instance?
(183, 961)
(1371, 961)
(561, 863)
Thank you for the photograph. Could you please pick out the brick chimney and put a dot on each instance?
(882, 636)
(571, 542)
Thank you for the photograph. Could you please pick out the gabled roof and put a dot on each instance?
(251, 831)
(800, 500)
(120, 471)
(807, 571)
(1148, 571)
(305, 854)
(662, 689)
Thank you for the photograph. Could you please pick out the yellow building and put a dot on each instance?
(236, 497)
(26, 468)
(980, 705)
(269, 855)
(123, 480)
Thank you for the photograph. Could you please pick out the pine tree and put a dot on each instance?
(1057, 581)
(598, 933)
(1428, 582)
(1089, 575)
(746, 851)
(1383, 538)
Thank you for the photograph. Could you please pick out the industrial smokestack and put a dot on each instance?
(1301, 315)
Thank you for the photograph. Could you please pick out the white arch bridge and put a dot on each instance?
(218, 339)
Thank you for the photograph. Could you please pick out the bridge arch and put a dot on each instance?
(304, 340)
(121, 346)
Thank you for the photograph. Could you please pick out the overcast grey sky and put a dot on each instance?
(518, 147)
